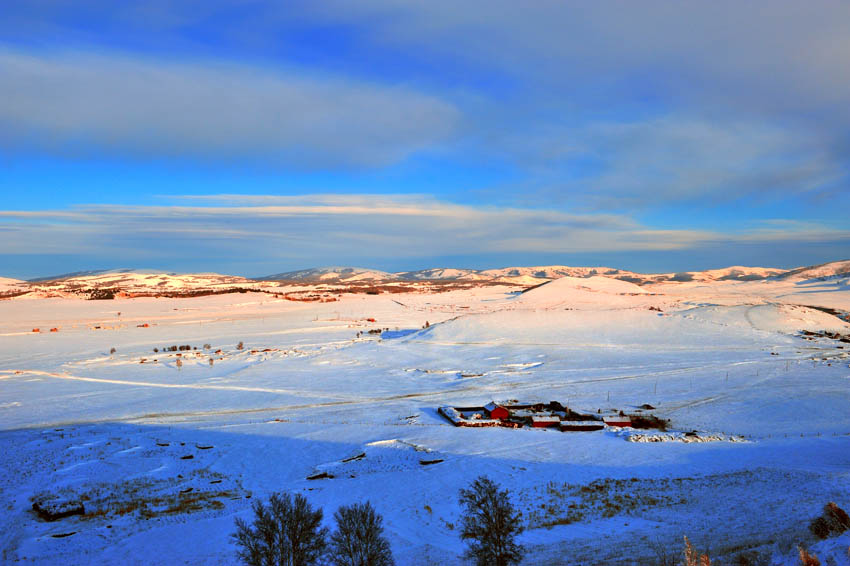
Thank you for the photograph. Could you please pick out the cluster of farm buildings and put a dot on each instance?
(546, 415)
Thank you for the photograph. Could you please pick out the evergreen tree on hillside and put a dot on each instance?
(490, 524)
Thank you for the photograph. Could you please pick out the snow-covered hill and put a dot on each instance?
(330, 274)
(443, 274)
(572, 292)
(8, 285)
(549, 271)
(149, 282)
(539, 274)
(824, 270)
(132, 281)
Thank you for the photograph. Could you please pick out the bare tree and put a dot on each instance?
(286, 532)
(491, 524)
(359, 540)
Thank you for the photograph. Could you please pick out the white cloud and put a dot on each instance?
(317, 229)
(679, 158)
(81, 102)
(771, 54)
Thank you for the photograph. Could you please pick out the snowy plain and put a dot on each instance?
(166, 455)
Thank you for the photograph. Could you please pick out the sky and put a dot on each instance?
(252, 137)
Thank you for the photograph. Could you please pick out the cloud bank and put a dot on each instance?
(83, 104)
(321, 229)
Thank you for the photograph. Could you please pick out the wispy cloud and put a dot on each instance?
(80, 103)
(315, 229)
(682, 159)
(773, 56)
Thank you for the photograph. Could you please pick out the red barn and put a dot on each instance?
(497, 411)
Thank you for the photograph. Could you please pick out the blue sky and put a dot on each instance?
(254, 138)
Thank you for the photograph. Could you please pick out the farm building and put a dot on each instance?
(545, 421)
(496, 411)
(618, 420)
(575, 426)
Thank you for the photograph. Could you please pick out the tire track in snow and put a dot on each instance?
(13, 373)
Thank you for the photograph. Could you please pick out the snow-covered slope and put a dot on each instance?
(549, 271)
(771, 317)
(539, 274)
(444, 274)
(141, 281)
(572, 292)
(831, 269)
(733, 273)
(8, 285)
(330, 274)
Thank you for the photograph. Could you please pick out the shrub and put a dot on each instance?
(101, 294)
(359, 540)
(807, 559)
(286, 531)
(833, 521)
(752, 558)
(240, 345)
(111, 351)
(693, 557)
(491, 524)
(819, 527)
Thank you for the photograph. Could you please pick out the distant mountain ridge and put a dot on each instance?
(135, 282)
(326, 274)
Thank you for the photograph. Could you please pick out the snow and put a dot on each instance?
(335, 274)
(443, 273)
(770, 317)
(8, 285)
(832, 269)
(573, 290)
(167, 458)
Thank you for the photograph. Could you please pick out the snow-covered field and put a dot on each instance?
(164, 455)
